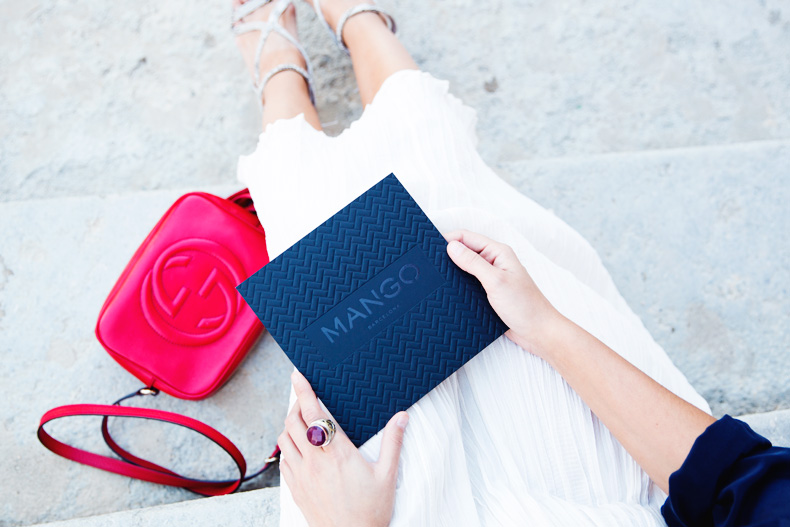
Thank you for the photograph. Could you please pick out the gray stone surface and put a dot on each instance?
(105, 98)
(58, 260)
(98, 97)
(697, 248)
(773, 425)
(697, 241)
(260, 508)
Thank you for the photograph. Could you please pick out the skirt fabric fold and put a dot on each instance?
(503, 441)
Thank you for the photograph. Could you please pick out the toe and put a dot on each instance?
(288, 19)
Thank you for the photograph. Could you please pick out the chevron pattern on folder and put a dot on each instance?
(370, 308)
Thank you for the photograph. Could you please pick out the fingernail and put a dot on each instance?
(403, 420)
(454, 248)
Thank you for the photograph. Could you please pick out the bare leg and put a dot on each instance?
(375, 52)
(286, 92)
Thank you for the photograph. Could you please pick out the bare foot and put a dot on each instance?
(277, 50)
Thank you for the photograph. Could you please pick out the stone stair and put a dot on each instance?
(58, 261)
(696, 240)
(108, 113)
(261, 507)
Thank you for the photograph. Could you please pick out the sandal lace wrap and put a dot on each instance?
(266, 28)
(337, 34)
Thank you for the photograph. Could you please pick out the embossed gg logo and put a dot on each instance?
(189, 295)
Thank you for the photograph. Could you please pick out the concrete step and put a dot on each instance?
(262, 507)
(165, 100)
(257, 508)
(773, 425)
(58, 260)
(696, 239)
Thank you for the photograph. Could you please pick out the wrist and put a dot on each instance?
(558, 342)
(571, 347)
(556, 337)
(547, 338)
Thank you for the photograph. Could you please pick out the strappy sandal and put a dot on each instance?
(337, 34)
(266, 27)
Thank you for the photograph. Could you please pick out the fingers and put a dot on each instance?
(472, 263)
(499, 255)
(391, 443)
(286, 472)
(311, 410)
(474, 240)
(308, 402)
(298, 455)
(294, 428)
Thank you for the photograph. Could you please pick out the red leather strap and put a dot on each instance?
(139, 468)
(129, 464)
(243, 199)
(131, 458)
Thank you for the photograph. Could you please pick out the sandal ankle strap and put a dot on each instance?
(245, 9)
(337, 34)
(361, 8)
(266, 27)
(286, 67)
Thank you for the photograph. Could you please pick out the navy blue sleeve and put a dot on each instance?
(731, 477)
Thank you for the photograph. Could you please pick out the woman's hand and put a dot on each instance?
(512, 293)
(334, 485)
(653, 424)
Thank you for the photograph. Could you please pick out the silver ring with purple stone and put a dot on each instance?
(321, 431)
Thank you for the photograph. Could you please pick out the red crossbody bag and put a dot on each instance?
(175, 321)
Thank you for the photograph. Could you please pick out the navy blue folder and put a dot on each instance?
(371, 310)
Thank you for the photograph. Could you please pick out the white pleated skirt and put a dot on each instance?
(503, 441)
